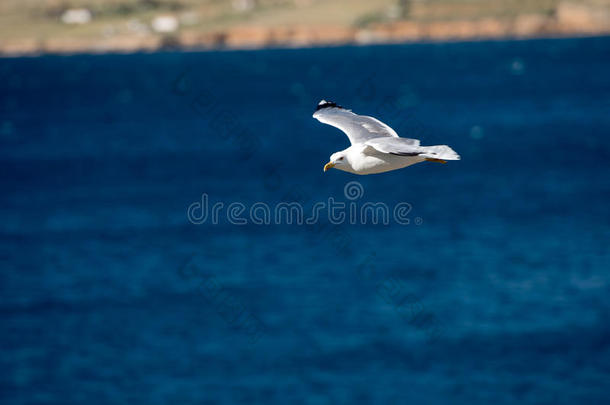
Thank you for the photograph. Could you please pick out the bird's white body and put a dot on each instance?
(376, 148)
(361, 160)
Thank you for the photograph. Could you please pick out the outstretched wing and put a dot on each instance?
(396, 146)
(409, 147)
(358, 128)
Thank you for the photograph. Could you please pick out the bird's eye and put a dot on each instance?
(341, 158)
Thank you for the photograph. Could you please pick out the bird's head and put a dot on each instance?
(338, 160)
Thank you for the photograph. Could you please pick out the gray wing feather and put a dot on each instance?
(396, 146)
(358, 128)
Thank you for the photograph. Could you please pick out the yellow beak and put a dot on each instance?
(329, 165)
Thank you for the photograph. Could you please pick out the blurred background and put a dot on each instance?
(38, 26)
(117, 116)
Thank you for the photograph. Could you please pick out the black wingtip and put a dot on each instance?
(326, 104)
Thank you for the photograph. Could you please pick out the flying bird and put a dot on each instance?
(376, 148)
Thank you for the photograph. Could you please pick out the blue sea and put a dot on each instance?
(115, 288)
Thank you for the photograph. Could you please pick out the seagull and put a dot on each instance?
(376, 148)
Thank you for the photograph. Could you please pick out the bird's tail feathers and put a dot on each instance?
(441, 152)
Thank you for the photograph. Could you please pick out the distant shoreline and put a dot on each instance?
(253, 37)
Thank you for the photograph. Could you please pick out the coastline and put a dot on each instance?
(569, 21)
